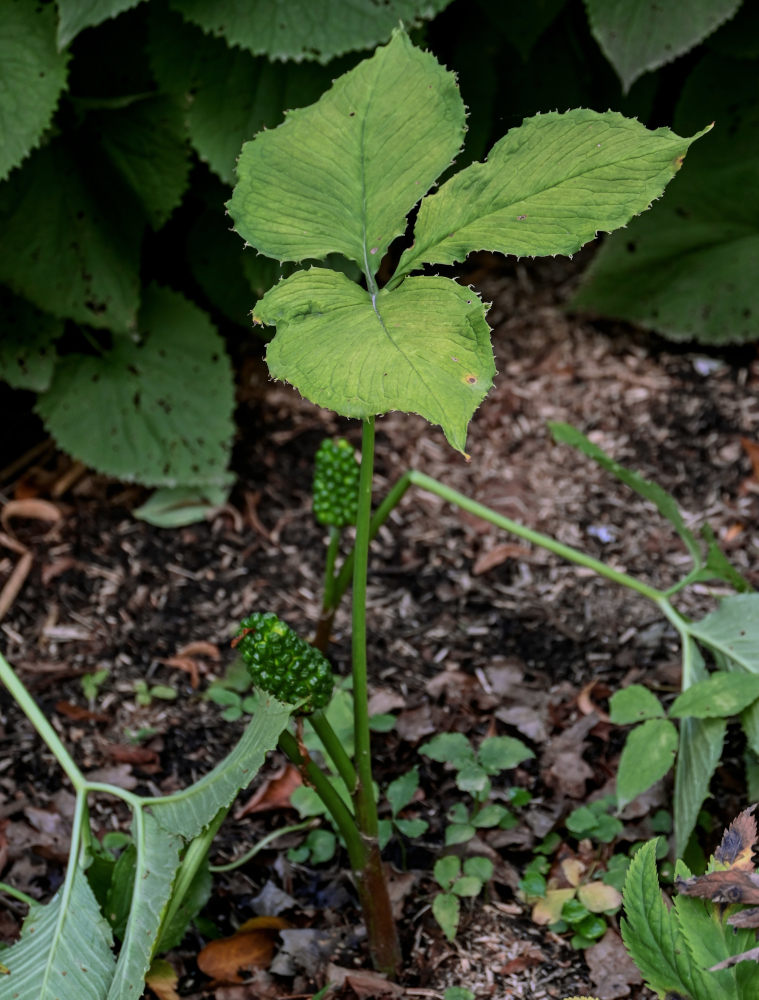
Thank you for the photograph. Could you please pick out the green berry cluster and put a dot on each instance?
(282, 664)
(336, 474)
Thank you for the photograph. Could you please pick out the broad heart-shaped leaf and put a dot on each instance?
(648, 754)
(232, 95)
(732, 630)
(663, 501)
(71, 239)
(423, 348)
(654, 938)
(717, 697)
(146, 143)
(189, 812)
(27, 336)
(547, 187)
(341, 175)
(641, 35)
(64, 952)
(305, 29)
(32, 76)
(75, 15)
(155, 410)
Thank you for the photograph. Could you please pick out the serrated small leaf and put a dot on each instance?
(305, 29)
(157, 410)
(423, 348)
(76, 15)
(341, 175)
(32, 76)
(549, 186)
(446, 909)
(502, 753)
(648, 755)
(719, 696)
(634, 704)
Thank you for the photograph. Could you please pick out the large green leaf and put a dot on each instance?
(732, 630)
(305, 29)
(146, 143)
(156, 864)
(75, 15)
(688, 268)
(547, 187)
(341, 175)
(64, 952)
(155, 409)
(71, 239)
(27, 336)
(424, 347)
(32, 76)
(190, 811)
(231, 94)
(641, 35)
(717, 697)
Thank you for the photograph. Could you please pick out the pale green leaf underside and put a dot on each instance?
(157, 411)
(423, 348)
(305, 29)
(189, 812)
(157, 864)
(232, 95)
(76, 15)
(547, 187)
(32, 76)
(64, 952)
(641, 35)
(27, 336)
(173, 508)
(341, 175)
(700, 750)
(733, 630)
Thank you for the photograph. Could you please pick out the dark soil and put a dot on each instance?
(470, 630)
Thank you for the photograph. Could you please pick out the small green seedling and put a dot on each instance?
(400, 794)
(91, 684)
(595, 822)
(457, 883)
(144, 693)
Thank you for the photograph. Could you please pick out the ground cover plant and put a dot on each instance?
(360, 337)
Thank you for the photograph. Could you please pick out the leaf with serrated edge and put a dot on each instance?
(49, 962)
(652, 933)
(719, 696)
(32, 76)
(305, 29)
(648, 754)
(549, 186)
(27, 352)
(637, 36)
(341, 175)
(74, 15)
(423, 348)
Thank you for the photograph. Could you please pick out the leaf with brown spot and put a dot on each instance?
(733, 885)
(737, 846)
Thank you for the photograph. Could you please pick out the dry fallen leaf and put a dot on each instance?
(251, 947)
(38, 510)
(274, 793)
(162, 980)
(612, 971)
(737, 845)
(599, 897)
(730, 886)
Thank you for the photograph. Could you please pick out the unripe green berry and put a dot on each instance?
(336, 475)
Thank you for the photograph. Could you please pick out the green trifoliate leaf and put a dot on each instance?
(719, 696)
(231, 94)
(32, 76)
(305, 29)
(648, 754)
(423, 348)
(732, 630)
(146, 143)
(634, 704)
(71, 239)
(341, 175)
(155, 410)
(641, 35)
(76, 15)
(547, 187)
(27, 336)
(48, 961)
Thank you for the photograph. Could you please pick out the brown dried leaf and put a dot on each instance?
(162, 980)
(737, 845)
(745, 918)
(77, 713)
(612, 971)
(363, 982)
(274, 793)
(752, 450)
(416, 723)
(732, 886)
(38, 510)
(201, 648)
(252, 947)
(498, 555)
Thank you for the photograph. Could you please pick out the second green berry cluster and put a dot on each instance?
(336, 475)
(282, 664)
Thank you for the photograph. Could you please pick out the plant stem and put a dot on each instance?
(335, 749)
(259, 846)
(338, 810)
(17, 894)
(329, 567)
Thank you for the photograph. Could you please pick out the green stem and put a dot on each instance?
(329, 567)
(335, 749)
(363, 797)
(16, 894)
(29, 707)
(259, 846)
(534, 537)
(338, 810)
